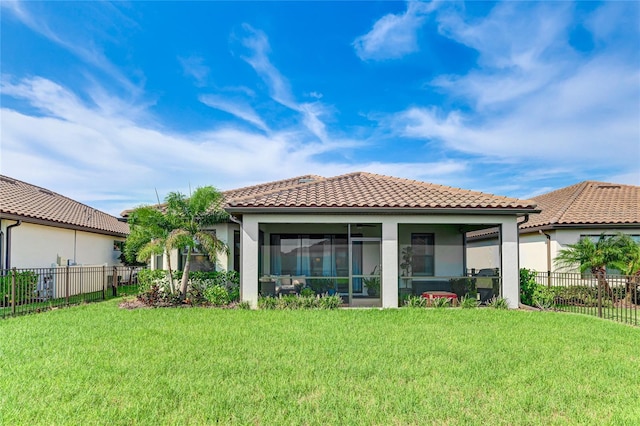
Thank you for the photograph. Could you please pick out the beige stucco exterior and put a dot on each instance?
(39, 246)
(533, 247)
(449, 253)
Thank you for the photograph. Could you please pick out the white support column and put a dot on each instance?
(249, 260)
(389, 291)
(510, 268)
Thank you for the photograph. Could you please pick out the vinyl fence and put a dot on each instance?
(24, 291)
(614, 297)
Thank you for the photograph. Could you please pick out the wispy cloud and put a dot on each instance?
(533, 98)
(394, 35)
(237, 108)
(194, 67)
(89, 150)
(83, 47)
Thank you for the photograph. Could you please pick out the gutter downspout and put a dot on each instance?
(526, 219)
(548, 256)
(7, 261)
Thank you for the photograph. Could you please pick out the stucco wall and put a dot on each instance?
(451, 254)
(39, 246)
(533, 254)
(483, 254)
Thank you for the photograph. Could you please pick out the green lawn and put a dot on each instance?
(98, 364)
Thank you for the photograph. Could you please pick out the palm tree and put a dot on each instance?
(190, 217)
(629, 265)
(593, 257)
(150, 229)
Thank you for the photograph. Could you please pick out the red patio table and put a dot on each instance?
(440, 295)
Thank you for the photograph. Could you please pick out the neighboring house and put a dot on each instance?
(39, 228)
(349, 234)
(586, 209)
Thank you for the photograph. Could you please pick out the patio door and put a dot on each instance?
(365, 274)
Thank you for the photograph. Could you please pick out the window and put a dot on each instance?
(319, 255)
(158, 261)
(236, 251)
(423, 254)
(118, 245)
(199, 261)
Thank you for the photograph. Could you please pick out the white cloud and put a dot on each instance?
(533, 98)
(112, 161)
(193, 66)
(82, 47)
(238, 108)
(394, 36)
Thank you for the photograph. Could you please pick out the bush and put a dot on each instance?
(440, 302)
(498, 303)
(26, 285)
(217, 295)
(468, 303)
(300, 302)
(415, 302)
(527, 285)
(543, 297)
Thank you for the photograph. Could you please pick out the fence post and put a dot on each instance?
(599, 299)
(114, 284)
(66, 286)
(13, 291)
(104, 282)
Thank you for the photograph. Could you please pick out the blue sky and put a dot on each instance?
(107, 102)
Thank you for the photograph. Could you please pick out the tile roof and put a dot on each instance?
(269, 187)
(588, 203)
(367, 190)
(28, 201)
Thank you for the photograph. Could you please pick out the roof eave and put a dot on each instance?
(553, 226)
(45, 222)
(382, 210)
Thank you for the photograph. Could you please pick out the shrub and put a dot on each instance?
(498, 303)
(307, 292)
(330, 302)
(440, 302)
(543, 297)
(26, 285)
(217, 295)
(243, 305)
(415, 302)
(527, 285)
(300, 302)
(468, 303)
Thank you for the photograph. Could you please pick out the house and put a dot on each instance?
(39, 228)
(586, 209)
(371, 238)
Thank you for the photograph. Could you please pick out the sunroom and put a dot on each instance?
(374, 240)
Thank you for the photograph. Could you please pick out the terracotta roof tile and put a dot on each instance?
(588, 202)
(29, 201)
(367, 190)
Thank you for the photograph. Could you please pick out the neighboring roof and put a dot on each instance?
(21, 200)
(269, 187)
(588, 203)
(254, 189)
(370, 191)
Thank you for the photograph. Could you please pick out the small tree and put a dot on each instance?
(190, 217)
(629, 264)
(150, 229)
(594, 257)
(178, 224)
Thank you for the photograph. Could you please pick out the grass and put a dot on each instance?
(95, 296)
(97, 364)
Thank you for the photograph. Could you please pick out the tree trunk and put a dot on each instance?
(172, 287)
(601, 276)
(185, 275)
(632, 284)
